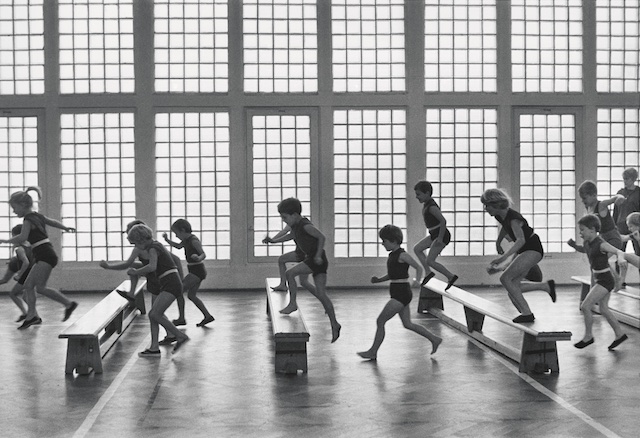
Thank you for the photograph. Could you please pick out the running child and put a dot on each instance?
(439, 236)
(195, 264)
(310, 240)
(18, 268)
(162, 274)
(526, 247)
(598, 251)
(400, 290)
(34, 231)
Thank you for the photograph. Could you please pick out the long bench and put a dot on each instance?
(290, 332)
(538, 353)
(621, 315)
(100, 328)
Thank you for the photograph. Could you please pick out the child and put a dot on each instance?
(400, 290)
(295, 256)
(195, 256)
(44, 256)
(633, 226)
(526, 246)
(310, 240)
(598, 251)
(18, 268)
(439, 236)
(623, 207)
(162, 275)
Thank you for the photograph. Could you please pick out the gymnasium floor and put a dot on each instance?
(222, 383)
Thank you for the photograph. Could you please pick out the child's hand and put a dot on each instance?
(131, 272)
(497, 261)
(267, 239)
(375, 279)
(2, 241)
(415, 283)
(70, 230)
(619, 199)
(492, 269)
(104, 264)
(195, 258)
(571, 243)
(499, 249)
(165, 236)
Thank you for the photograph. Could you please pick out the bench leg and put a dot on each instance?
(538, 357)
(291, 357)
(83, 355)
(475, 320)
(429, 300)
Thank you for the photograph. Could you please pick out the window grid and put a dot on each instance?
(368, 45)
(370, 164)
(618, 46)
(18, 167)
(460, 46)
(22, 47)
(618, 146)
(546, 45)
(96, 46)
(462, 162)
(547, 177)
(98, 184)
(191, 46)
(281, 169)
(193, 177)
(280, 46)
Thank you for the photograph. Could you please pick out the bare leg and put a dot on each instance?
(405, 316)
(15, 297)
(157, 318)
(419, 250)
(434, 252)
(289, 257)
(512, 277)
(320, 292)
(603, 305)
(191, 284)
(389, 311)
(291, 274)
(597, 293)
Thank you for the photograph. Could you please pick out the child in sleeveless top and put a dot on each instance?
(18, 268)
(400, 290)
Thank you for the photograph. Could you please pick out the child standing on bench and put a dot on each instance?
(623, 207)
(159, 268)
(18, 268)
(400, 289)
(195, 264)
(295, 256)
(598, 251)
(526, 247)
(310, 240)
(439, 236)
(34, 231)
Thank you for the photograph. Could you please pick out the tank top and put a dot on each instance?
(430, 220)
(165, 261)
(305, 241)
(190, 249)
(606, 223)
(396, 269)
(38, 229)
(597, 259)
(506, 224)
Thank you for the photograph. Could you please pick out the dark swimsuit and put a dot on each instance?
(398, 270)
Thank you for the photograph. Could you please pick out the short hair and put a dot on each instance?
(16, 230)
(133, 223)
(23, 197)
(290, 206)
(391, 233)
(630, 173)
(497, 197)
(140, 233)
(424, 187)
(588, 187)
(181, 224)
(590, 221)
(634, 219)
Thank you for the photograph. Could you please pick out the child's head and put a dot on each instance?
(181, 225)
(424, 187)
(497, 198)
(391, 233)
(290, 206)
(23, 198)
(16, 230)
(590, 221)
(633, 221)
(630, 174)
(588, 188)
(140, 234)
(134, 223)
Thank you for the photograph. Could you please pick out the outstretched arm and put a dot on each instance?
(57, 224)
(120, 266)
(572, 243)
(177, 245)
(282, 236)
(22, 237)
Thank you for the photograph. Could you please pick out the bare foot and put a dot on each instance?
(367, 355)
(435, 345)
(336, 333)
(279, 288)
(292, 307)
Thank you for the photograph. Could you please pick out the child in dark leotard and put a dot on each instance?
(598, 252)
(526, 247)
(400, 290)
(34, 230)
(18, 268)
(195, 264)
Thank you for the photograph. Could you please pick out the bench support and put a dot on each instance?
(291, 356)
(429, 299)
(538, 357)
(83, 355)
(475, 320)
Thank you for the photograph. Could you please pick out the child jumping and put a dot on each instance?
(195, 264)
(439, 236)
(18, 268)
(163, 280)
(310, 240)
(400, 289)
(526, 246)
(598, 252)
(34, 230)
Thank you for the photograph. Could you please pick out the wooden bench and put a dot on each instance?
(96, 329)
(622, 316)
(538, 353)
(289, 332)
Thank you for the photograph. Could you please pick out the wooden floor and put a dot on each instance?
(222, 383)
